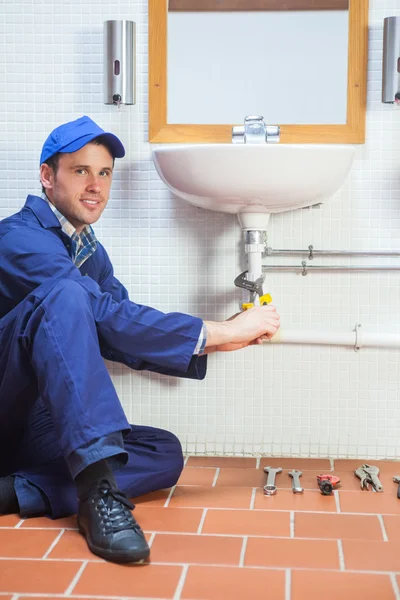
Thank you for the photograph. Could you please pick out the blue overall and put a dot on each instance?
(59, 410)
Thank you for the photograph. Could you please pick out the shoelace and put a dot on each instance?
(115, 509)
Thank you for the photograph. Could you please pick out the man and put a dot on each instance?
(63, 432)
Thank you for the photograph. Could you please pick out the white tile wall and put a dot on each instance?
(282, 400)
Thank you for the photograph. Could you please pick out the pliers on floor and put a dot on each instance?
(368, 474)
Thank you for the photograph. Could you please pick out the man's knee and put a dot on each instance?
(66, 290)
(174, 456)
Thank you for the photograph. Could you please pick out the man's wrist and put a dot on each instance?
(218, 333)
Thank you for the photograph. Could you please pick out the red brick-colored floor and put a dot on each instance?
(216, 536)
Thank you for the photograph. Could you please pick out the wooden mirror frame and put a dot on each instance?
(353, 132)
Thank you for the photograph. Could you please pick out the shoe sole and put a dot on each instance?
(112, 556)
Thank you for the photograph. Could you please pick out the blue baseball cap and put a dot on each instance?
(72, 136)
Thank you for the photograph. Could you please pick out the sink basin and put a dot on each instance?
(253, 179)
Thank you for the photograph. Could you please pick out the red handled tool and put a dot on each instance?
(327, 483)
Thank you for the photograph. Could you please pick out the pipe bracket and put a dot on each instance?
(357, 345)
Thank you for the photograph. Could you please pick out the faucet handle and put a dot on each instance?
(255, 131)
(272, 133)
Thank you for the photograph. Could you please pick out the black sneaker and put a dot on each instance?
(111, 531)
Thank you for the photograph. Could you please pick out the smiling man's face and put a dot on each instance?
(81, 186)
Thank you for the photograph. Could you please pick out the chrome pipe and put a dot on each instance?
(307, 268)
(311, 251)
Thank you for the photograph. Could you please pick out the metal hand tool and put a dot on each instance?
(255, 287)
(397, 480)
(363, 476)
(296, 487)
(374, 480)
(368, 474)
(270, 488)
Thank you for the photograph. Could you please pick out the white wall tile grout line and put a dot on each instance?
(181, 582)
(243, 551)
(54, 543)
(75, 580)
(382, 524)
(341, 555)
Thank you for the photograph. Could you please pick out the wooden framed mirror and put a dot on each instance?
(351, 131)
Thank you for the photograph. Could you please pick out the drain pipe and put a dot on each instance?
(254, 247)
(356, 339)
(254, 230)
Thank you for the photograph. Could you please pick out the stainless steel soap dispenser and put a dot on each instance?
(391, 60)
(119, 62)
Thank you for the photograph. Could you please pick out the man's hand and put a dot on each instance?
(243, 329)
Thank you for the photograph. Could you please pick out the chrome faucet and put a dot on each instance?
(255, 131)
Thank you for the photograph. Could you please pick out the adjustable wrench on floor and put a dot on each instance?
(270, 488)
(296, 487)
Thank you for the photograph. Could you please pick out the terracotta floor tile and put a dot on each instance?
(392, 527)
(145, 581)
(301, 464)
(35, 576)
(369, 502)
(72, 545)
(153, 499)
(326, 585)
(242, 477)
(311, 554)
(286, 500)
(206, 549)
(54, 598)
(44, 522)
(222, 461)
(212, 497)
(247, 522)
(385, 466)
(374, 556)
(337, 526)
(19, 543)
(197, 476)
(179, 520)
(229, 583)
(9, 520)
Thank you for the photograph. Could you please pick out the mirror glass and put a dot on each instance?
(291, 66)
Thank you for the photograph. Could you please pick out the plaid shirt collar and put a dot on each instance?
(84, 244)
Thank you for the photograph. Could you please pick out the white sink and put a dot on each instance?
(253, 180)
